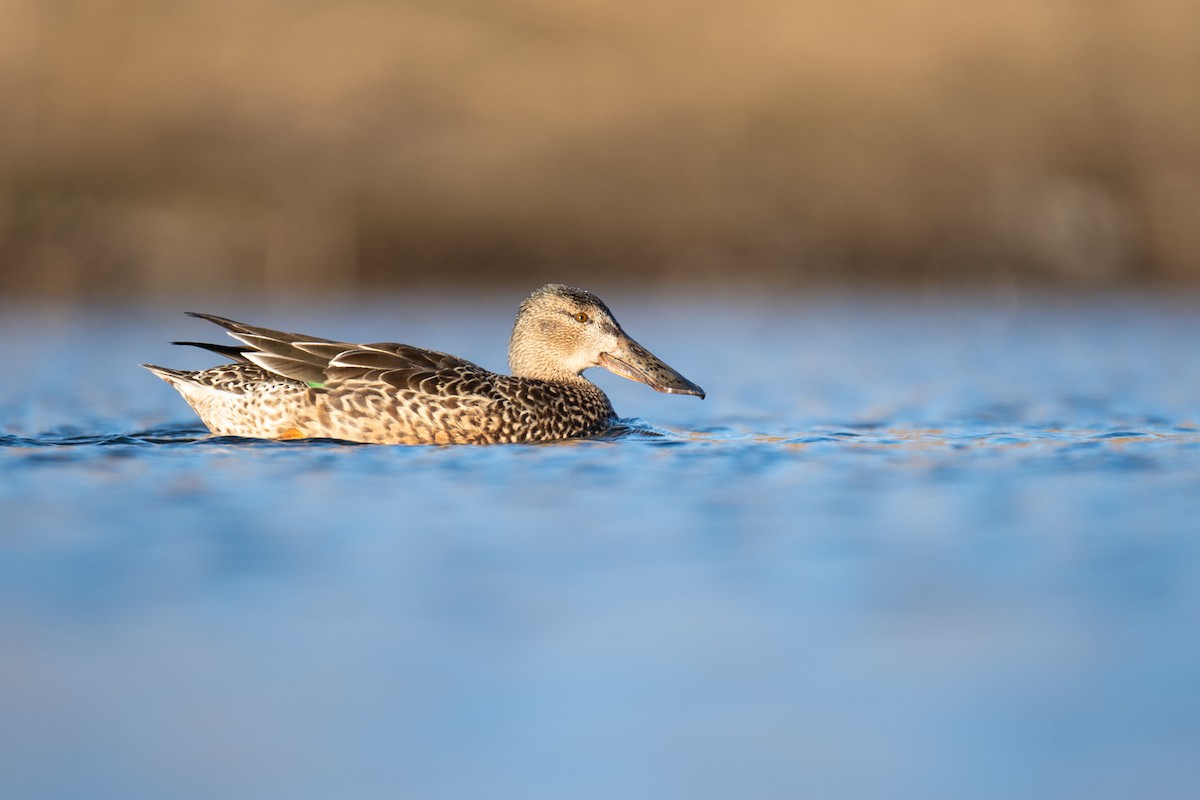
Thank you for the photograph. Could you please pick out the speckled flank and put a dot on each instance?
(287, 386)
(522, 412)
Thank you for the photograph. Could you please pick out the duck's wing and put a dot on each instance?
(412, 369)
(329, 364)
(292, 355)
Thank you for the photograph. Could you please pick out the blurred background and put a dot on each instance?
(276, 147)
(931, 535)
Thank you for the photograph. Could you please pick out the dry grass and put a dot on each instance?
(290, 146)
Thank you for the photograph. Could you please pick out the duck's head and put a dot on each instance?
(561, 331)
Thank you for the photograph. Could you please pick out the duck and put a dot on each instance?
(288, 386)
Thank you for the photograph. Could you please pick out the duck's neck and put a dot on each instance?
(535, 365)
(529, 357)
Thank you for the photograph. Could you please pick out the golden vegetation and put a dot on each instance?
(277, 145)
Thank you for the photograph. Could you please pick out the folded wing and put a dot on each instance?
(333, 364)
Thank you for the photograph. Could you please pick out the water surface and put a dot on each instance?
(935, 547)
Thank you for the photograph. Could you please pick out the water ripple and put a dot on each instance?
(633, 430)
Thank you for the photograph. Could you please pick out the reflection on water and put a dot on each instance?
(903, 550)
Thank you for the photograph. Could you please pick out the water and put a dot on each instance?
(907, 548)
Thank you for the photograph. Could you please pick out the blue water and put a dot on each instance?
(907, 548)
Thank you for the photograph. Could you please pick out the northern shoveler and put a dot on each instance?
(289, 386)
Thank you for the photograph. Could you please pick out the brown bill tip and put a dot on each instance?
(689, 388)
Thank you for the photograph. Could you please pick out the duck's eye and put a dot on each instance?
(582, 317)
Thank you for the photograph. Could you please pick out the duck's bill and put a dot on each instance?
(631, 360)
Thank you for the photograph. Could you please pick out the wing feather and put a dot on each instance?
(316, 360)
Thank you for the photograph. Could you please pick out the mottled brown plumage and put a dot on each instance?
(290, 386)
